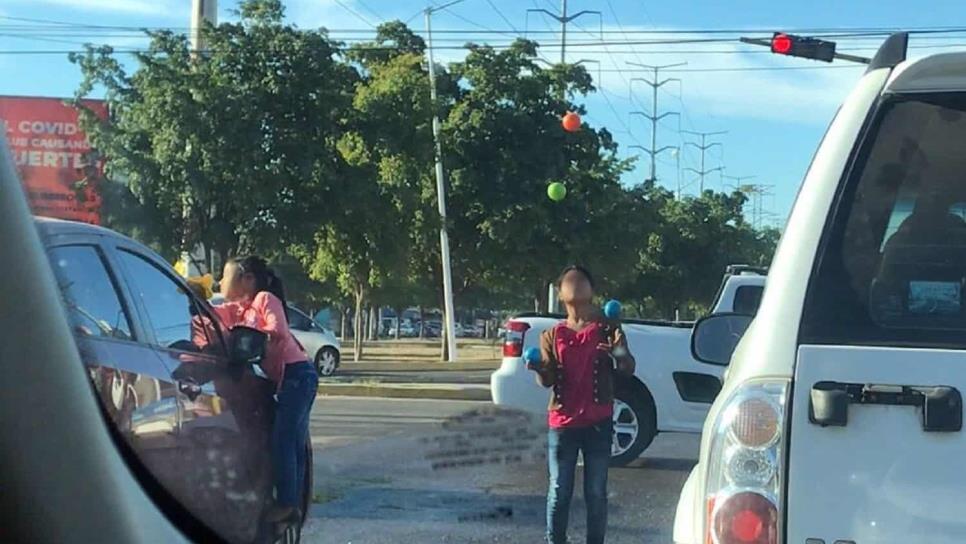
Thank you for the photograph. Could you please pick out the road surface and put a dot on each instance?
(427, 471)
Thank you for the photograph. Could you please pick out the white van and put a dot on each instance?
(840, 418)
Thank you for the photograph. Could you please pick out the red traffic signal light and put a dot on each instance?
(798, 46)
(781, 44)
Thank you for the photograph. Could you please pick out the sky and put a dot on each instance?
(772, 116)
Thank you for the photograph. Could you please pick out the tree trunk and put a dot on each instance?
(374, 323)
(399, 313)
(359, 317)
(343, 321)
(422, 321)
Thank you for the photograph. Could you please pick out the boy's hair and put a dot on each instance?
(570, 268)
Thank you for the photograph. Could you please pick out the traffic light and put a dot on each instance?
(798, 46)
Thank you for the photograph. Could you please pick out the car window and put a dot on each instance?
(297, 320)
(747, 299)
(175, 317)
(92, 303)
(894, 266)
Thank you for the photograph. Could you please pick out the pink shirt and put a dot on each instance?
(577, 352)
(266, 313)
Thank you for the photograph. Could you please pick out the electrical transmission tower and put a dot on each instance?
(704, 146)
(563, 19)
(757, 193)
(654, 117)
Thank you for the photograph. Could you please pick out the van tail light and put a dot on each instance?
(745, 483)
(513, 342)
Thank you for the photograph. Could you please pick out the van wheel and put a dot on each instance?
(635, 423)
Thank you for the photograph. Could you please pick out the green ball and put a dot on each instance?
(556, 191)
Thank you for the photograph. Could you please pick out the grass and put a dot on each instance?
(425, 351)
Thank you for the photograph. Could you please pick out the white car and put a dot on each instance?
(319, 343)
(840, 419)
(670, 391)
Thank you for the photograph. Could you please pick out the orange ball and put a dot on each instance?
(571, 122)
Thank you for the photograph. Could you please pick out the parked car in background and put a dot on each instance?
(472, 331)
(408, 329)
(670, 391)
(320, 343)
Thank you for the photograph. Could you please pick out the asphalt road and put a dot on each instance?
(406, 471)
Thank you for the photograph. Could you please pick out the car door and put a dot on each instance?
(876, 437)
(135, 389)
(225, 409)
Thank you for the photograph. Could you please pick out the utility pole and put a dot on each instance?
(704, 147)
(738, 181)
(675, 151)
(563, 19)
(654, 83)
(450, 316)
(202, 11)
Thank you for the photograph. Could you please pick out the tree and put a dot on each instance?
(504, 144)
(386, 150)
(681, 262)
(243, 133)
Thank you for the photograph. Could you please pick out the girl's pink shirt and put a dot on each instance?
(266, 313)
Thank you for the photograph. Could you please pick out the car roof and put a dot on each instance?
(943, 72)
(50, 226)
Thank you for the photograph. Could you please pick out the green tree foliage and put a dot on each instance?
(244, 130)
(284, 143)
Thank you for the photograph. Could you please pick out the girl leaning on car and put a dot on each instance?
(254, 297)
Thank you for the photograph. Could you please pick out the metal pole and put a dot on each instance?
(201, 11)
(701, 185)
(563, 31)
(654, 128)
(441, 200)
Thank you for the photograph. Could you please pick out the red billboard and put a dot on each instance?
(59, 170)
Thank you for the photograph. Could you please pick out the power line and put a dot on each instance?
(354, 12)
(502, 16)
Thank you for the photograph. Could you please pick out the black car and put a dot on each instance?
(197, 420)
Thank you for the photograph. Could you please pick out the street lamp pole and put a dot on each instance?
(450, 316)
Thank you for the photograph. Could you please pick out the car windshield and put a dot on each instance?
(429, 187)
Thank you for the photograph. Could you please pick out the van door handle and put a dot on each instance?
(941, 405)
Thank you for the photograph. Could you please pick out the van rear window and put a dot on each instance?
(892, 267)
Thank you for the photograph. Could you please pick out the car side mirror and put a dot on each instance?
(247, 345)
(715, 337)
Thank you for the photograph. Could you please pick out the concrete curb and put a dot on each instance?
(415, 366)
(407, 391)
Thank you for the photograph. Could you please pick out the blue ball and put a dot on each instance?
(612, 310)
(532, 355)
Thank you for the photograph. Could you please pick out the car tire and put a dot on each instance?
(326, 361)
(635, 423)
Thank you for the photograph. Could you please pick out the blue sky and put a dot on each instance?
(773, 118)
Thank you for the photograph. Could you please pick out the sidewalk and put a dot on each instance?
(412, 379)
